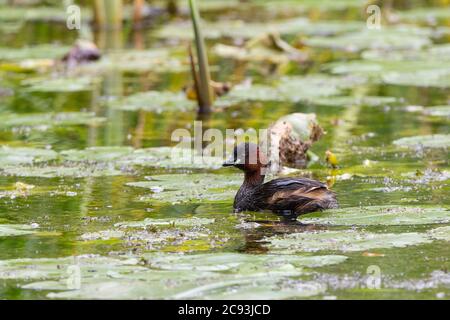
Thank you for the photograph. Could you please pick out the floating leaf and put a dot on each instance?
(56, 268)
(238, 262)
(49, 171)
(23, 155)
(36, 52)
(102, 235)
(136, 61)
(239, 29)
(420, 78)
(159, 157)
(345, 101)
(172, 276)
(8, 230)
(421, 73)
(430, 141)
(380, 215)
(96, 154)
(177, 222)
(431, 15)
(193, 187)
(291, 89)
(60, 84)
(441, 233)
(156, 101)
(44, 120)
(437, 111)
(387, 38)
(346, 240)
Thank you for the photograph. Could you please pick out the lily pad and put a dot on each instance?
(291, 89)
(23, 155)
(430, 141)
(420, 73)
(420, 78)
(44, 120)
(137, 61)
(156, 101)
(238, 29)
(171, 157)
(388, 38)
(173, 276)
(102, 235)
(345, 101)
(50, 171)
(159, 157)
(177, 222)
(380, 215)
(240, 263)
(60, 84)
(56, 268)
(441, 233)
(431, 15)
(190, 188)
(437, 111)
(95, 154)
(8, 230)
(346, 240)
(35, 52)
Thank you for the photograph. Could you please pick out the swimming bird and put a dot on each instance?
(288, 197)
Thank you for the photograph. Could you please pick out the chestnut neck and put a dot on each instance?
(253, 178)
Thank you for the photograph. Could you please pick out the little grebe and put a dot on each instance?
(289, 197)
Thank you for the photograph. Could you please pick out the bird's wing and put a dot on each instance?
(293, 194)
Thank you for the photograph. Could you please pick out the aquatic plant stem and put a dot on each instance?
(194, 75)
(206, 96)
(108, 14)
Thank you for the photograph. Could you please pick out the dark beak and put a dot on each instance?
(228, 164)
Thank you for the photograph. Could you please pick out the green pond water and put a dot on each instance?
(91, 206)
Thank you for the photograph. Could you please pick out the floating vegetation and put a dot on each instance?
(345, 101)
(49, 171)
(346, 240)
(96, 154)
(292, 89)
(386, 39)
(155, 101)
(177, 188)
(87, 165)
(441, 233)
(192, 276)
(427, 73)
(431, 141)
(381, 215)
(60, 84)
(171, 157)
(430, 15)
(43, 121)
(23, 155)
(139, 61)
(38, 52)
(180, 222)
(10, 230)
(243, 30)
(98, 161)
(437, 111)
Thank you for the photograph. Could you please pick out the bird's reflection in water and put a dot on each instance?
(254, 237)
